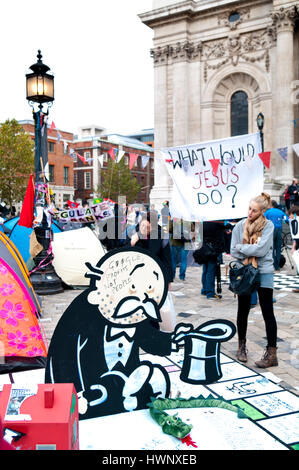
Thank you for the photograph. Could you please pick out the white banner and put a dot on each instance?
(215, 180)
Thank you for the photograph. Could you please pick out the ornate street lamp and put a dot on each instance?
(39, 83)
(260, 120)
(40, 91)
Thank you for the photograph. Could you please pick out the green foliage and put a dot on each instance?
(117, 180)
(16, 161)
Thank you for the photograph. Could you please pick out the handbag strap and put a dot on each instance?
(234, 262)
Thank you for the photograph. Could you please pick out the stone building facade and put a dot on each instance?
(209, 54)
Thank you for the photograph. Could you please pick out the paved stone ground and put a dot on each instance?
(189, 299)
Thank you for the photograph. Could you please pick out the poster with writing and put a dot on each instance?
(215, 180)
(103, 210)
(18, 395)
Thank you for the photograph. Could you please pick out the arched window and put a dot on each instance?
(239, 113)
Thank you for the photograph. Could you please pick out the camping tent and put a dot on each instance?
(21, 343)
(72, 249)
(20, 235)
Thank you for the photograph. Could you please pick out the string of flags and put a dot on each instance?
(116, 155)
(52, 128)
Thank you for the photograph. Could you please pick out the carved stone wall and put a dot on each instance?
(246, 46)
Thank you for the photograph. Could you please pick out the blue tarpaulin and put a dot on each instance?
(20, 236)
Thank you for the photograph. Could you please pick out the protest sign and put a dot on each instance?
(104, 210)
(212, 180)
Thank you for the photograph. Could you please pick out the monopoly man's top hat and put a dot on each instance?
(201, 363)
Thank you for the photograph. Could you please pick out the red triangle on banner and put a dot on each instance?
(215, 164)
(133, 158)
(111, 153)
(265, 157)
(26, 216)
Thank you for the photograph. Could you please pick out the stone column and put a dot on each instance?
(283, 128)
(180, 103)
(163, 185)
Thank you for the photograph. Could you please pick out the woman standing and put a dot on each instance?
(252, 242)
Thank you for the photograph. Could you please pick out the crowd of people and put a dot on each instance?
(256, 240)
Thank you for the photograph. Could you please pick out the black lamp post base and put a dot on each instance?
(45, 281)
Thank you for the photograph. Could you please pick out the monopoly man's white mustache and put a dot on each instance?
(130, 305)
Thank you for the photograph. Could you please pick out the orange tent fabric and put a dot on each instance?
(21, 341)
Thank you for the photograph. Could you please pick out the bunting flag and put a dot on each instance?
(265, 157)
(27, 215)
(65, 144)
(101, 159)
(133, 157)
(145, 160)
(111, 153)
(72, 204)
(283, 152)
(73, 154)
(115, 154)
(97, 200)
(215, 164)
(120, 155)
(58, 136)
(52, 126)
(81, 158)
(296, 149)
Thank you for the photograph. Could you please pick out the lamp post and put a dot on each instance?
(40, 92)
(260, 120)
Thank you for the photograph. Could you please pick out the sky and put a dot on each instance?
(99, 53)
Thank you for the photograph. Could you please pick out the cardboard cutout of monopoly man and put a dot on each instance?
(96, 344)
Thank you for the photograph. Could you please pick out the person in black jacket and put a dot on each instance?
(149, 237)
(293, 191)
(113, 231)
(213, 233)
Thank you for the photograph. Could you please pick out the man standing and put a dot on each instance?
(179, 237)
(293, 191)
(213, 234)
(277, 217)
(165, 214)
